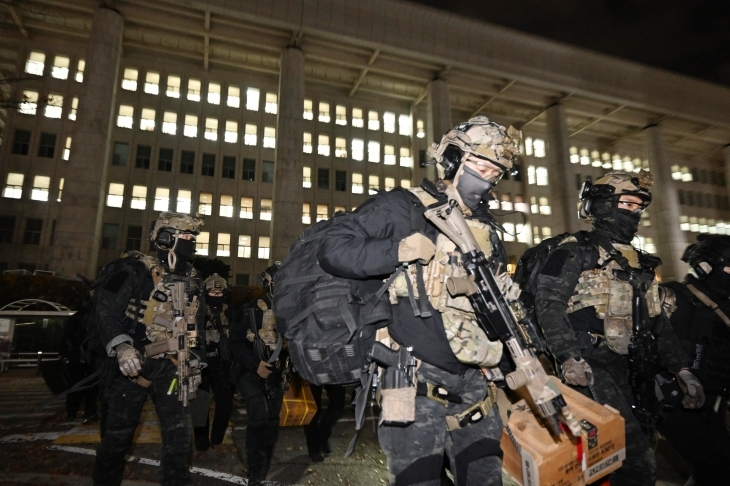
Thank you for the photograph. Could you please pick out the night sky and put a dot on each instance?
(690, 37)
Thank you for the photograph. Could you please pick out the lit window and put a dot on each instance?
(509, 231)
(341, 115)
(373, 121)
(389, 155)
(162, 199)
(505, 202)
(357, 183)
(538, 146)
(307, 140)
(60, 67)
(686, 174)
(264, 247)
(125, 118)
(544, 206)
(211, 129)
(323, 145)
(194, 86)
(405, 125)
(129, 81)
(169, 123)
(173, 86)
(252, 99)
(139, 197)
(308, 110)
(152, 83)
(205, 204)
(389, 183)
(528, 147)
(226, 209)
(531, 174)
(585, 159)
(533, 205)
(341, 147)
(541, 173)
(29, 103)
(357, 117)
(191, 126)
(244, 246)
(67, 149)
(202, 242)
(524, 235)
(596, 156)
(306, 216)
(246, 208)
(74, 108)
(224, 245)
(184, 201)
(322, 212)
(80, 71)
(693, 224)
(574, 157)
(231, 135)
(234, 97)
(54, 107)
(269, 137)
(60, 189)
(250, 137)
(405, 183)
(520, 204)
(606, 159)
(617, 163)
(147, 122)
(628, 165)
(358, 149)
(115, 198)
(405, 157)
(546, 232)
(324, 112)
(271, 103)
(14, 186)
(420, 129)
(373, 184)
(373, 151)
(35, 63)
(307, 178)
(265, 214)
(389, 122)
(40, 188)
(214, 93)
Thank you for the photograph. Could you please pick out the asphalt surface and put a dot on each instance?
(41, 447)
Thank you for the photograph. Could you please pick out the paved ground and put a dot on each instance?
(40, 447)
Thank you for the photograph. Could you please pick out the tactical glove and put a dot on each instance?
(577, 372)
(694, 394)
(416, 247)
(130, 362)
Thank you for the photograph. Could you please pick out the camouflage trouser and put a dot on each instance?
(415, 453)
(124, 400)
(611, 386)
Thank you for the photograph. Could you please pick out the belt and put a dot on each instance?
(475, 413)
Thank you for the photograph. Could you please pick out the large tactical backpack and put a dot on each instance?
(329, 321)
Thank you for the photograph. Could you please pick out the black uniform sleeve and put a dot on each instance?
(555, 286)
(365, 243)
(671, 355)
(242, 351)
(112, 299)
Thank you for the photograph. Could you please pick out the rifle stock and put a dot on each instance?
(502, 319)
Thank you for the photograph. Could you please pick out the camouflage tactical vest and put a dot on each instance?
(468, 342)
(611, 297)
(212, 334)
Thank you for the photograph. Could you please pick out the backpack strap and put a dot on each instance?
(709, 303)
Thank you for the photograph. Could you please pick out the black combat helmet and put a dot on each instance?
(712, 250)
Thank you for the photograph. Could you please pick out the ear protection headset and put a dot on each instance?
(165, 239)
(451, 161)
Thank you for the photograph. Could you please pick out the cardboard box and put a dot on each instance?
(548, 461)
(298, 407)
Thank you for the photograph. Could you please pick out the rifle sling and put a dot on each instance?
(709, 303)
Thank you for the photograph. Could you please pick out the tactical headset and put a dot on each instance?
(589, 192)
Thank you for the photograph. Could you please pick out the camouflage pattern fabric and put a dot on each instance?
(415, 453)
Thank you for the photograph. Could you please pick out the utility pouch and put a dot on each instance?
(399, 406)
(617, 331)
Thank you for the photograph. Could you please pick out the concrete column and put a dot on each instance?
(664, 208)
(438, 117)
(286, 222)
(563, 196)
(78, 227)
(726, 153)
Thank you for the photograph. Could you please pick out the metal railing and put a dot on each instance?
(28, 360)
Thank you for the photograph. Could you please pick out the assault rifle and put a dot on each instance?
(502, 318)
(184, 337)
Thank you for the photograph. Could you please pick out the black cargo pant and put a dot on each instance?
(319, 429)
(79, 371)
(124, 400)
(611, 385)
(415, 452)
(216, 380)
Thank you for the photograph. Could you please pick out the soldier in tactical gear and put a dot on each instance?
(584, 305)
(256, 346)
(216, 376)
(382, 235)
(702, 323)
(134, 309)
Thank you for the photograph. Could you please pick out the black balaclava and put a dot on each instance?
(472, 187)
(619, 225)
(215, 301)
(718, 281)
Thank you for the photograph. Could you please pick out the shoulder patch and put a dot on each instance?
(555, 262)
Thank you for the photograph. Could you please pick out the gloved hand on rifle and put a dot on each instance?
(415, 247)
(577, 372)
(694, 394)
(129, 359)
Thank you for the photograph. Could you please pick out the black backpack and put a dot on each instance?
(329, 321)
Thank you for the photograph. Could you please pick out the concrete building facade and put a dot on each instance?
(268, 116)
